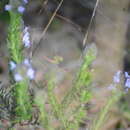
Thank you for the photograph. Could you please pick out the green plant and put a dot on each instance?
(79, 94)
(68, 117)
(102, 116)
(20, 89)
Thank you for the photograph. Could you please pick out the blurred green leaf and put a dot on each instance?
(5, 17)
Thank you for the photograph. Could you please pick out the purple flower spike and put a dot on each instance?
(116, 77)
(12, 65)
(8, 7)
(21, 9)
(18, 77)
(31, 73)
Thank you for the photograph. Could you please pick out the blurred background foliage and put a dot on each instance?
(4, 15)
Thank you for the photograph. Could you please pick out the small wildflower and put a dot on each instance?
(18, 77)
(116, 77)
(27, 62)
(21, 9)
(25, 30)
(127, 75)
(26, 38)
(8, 7)
(127, 83)
(31, 73)
(25, 1)
(12, 65)
(27, 43)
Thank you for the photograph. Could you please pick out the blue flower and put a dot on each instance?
(116, 77)
(26, 38)
(8, 7)
(25, 1)
(127, 83)
(25, 30)
(21, 9)
(127, 75)
(27, 43)
(12, 65)
(18, 77)
(27, 62)
(31, 73)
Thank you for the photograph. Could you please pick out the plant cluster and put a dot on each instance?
(71, 112)
(23, 73)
